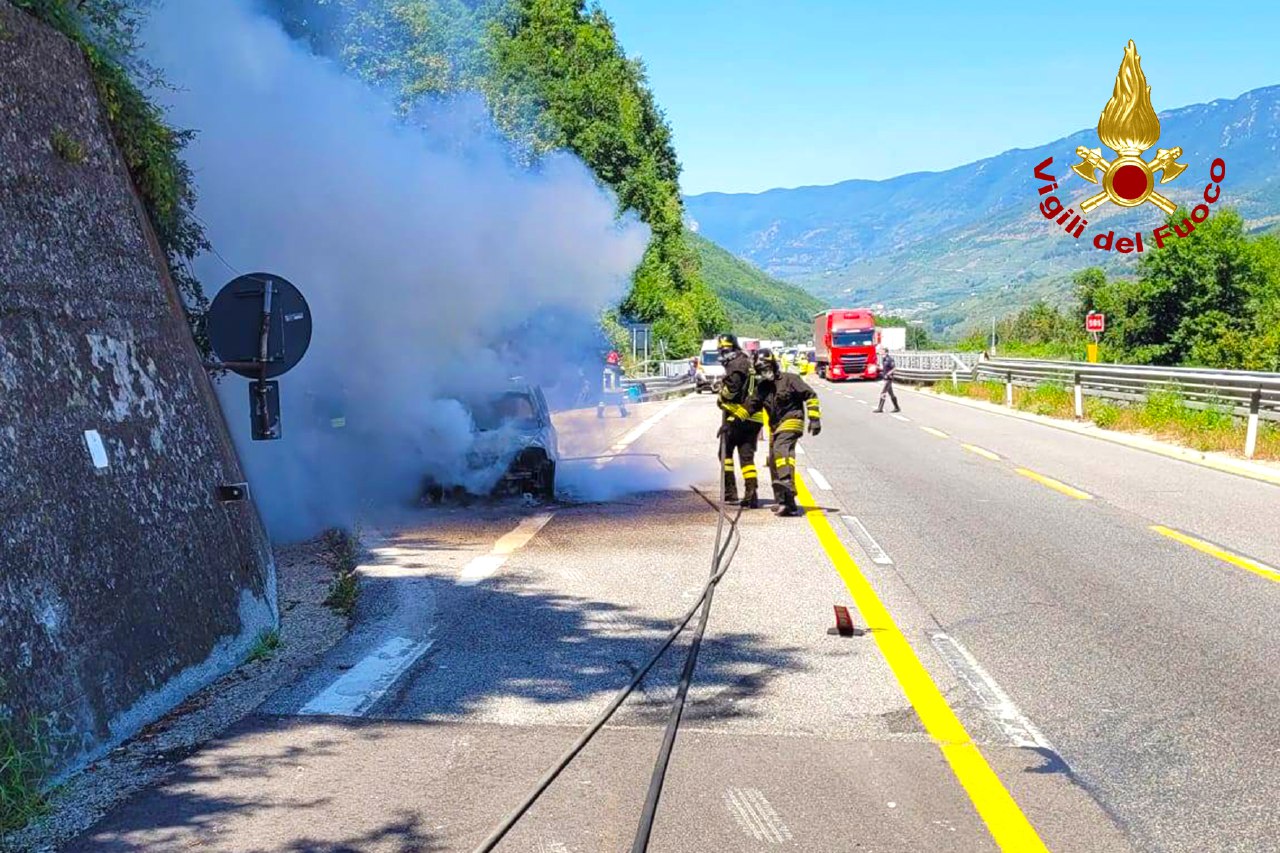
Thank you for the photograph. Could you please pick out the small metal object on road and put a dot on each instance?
(844, 623)
(231, 492)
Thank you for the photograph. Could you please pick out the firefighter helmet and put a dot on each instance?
(727, 343)
(767, 364)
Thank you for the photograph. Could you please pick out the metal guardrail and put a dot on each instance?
(1240, 392)
(660, 387)
(925, 366)
(1251, 394)
(668, 369)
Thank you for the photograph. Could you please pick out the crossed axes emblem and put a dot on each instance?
(1092, 161)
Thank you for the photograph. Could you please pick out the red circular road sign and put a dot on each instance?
(1095, 322)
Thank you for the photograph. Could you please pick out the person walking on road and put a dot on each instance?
(611, 384)
(887, 367)
(787, 399)
(739, 428)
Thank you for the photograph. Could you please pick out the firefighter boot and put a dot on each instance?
(750, 499)
(730, 488)
(786, 502)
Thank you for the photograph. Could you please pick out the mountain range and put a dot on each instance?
(958, 246)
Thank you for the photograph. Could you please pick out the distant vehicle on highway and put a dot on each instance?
(845, 342)
(513, 437)
(710, 371)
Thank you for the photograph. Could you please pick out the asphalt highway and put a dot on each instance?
(1072, 647)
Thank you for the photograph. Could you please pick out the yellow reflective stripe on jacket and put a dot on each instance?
(811, 406)
(791, 425)
(735, 410)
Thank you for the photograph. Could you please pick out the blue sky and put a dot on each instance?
(785, 93)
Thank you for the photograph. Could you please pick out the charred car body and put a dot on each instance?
(514, 447)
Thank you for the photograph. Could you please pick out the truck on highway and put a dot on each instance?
(844, 340)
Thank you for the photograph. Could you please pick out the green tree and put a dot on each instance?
(1190, 302)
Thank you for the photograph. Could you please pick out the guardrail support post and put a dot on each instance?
(1079, 399)
(1251, 434)
(955, 380)
(1008, 389)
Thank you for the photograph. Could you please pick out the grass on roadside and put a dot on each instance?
(24, 766)
(265, 646)
(1163, 414)
(343, 547)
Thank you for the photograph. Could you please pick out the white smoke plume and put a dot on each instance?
(435, 267)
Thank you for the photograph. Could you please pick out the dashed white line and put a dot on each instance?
(819, 480)
(356, 690)
(485, 565)
(981, 451)
(903, 418)
(939, 433)
(861, 402)
(646, 425)
(873, 549)
(1020, 731)
(755, 815)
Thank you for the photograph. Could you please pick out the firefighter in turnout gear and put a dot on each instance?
(787, 399)
(739, 428)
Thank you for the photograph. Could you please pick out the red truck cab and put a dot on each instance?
(844, 341)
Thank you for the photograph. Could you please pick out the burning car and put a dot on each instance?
(514, 447)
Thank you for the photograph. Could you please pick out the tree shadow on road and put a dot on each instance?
(519, 647)
(533, 635)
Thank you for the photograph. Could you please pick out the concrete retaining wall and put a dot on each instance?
(124, 585)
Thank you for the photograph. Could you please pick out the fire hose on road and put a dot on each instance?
(723, 552)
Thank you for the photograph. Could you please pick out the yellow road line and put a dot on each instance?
(995, 805)
(981, 451)
(1259, 569)
(939, 433)
(1069, 491)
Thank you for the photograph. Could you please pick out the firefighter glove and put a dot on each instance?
(815, 426)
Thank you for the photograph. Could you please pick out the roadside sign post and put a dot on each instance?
(1095, 324)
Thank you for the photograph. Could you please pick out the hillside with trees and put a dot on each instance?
(758, 304)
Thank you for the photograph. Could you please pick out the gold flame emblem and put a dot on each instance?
(1129, 125)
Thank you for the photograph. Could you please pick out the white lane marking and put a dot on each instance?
(819, 480)
(356, 690)
(861, 402)
(644, 426)
(903, 418)
(800, 450)
(1020, 731)
(939, 433)
(981, 451)
(755, 815)
(485, 565)
(873, 549)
